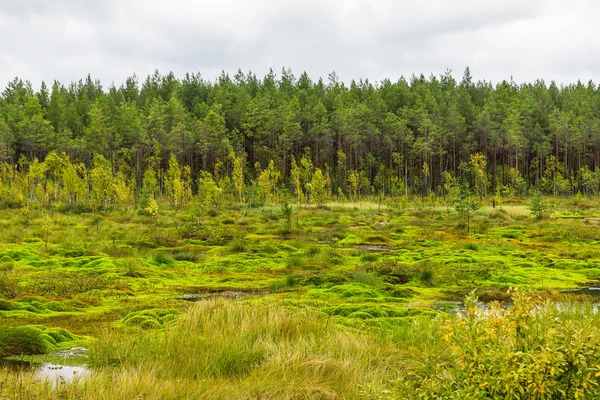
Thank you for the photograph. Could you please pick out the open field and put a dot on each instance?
(352, 301)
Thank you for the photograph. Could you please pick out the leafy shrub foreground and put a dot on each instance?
(532, 350)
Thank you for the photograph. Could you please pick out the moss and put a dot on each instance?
(27, 340)
(149, 319)
(351, 240)
(6, 305)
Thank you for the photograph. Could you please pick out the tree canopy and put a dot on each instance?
(410, 136)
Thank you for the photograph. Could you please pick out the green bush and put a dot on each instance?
(532, 350)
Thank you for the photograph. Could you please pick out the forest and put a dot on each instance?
(418, 136)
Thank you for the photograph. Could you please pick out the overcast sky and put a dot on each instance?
(112, 39)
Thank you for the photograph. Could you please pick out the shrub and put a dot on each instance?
(531, 351)
(239, 246)
(426, 275)
(538, 206)
(133, 267)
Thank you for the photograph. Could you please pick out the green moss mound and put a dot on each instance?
(351, 240)
(32, 339)
(149, 319)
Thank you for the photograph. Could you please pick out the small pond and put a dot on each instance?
(62, 366)
(588, 294)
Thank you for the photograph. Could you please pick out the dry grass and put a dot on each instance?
(233, 350)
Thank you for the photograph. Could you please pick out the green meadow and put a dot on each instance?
(364, 300)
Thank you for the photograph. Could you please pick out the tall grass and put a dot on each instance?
(231, 350)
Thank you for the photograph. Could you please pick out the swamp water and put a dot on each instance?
(584, 299)
(60, 367)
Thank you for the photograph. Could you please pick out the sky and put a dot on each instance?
(358, 39)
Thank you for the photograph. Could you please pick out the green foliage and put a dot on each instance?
(267, 182)
(366, 278)
(101, 180)
(174, 183)
(531, 350)
(466, 206)
(208, 198)
(538, 206)
(9, 285)
(317, 187)
(133, 268)
(415, 137)
(286, 210)
(288, 282)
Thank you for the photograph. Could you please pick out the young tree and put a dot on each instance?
(267, 183)
(286, 210)
(73, 177)
(101, 180)
(149, 188)
(538, 205)
(296, 177)
(174, 184)
(208, 198)
(238, 174)
(353, 181)
(466, 206)
(478, 164)
(317, 187)
(307, 170)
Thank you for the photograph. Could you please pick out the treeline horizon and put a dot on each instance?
(416, 136)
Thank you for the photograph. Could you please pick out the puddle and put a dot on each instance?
(56, 371)
(458, 307)
(373, 247)
(586, 291)
(229, 295)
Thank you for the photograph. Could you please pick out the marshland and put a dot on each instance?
(283, 238)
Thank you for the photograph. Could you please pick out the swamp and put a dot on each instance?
(345, 300)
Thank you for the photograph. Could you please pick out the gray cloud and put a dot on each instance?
(111, 39)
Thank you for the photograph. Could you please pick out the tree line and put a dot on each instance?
(315, 139)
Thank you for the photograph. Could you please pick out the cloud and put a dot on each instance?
(111, 39)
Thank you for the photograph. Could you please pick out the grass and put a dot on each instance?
(234, 350)
(345, 276)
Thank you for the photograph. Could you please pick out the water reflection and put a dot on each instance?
(61, 373)
(57, 371)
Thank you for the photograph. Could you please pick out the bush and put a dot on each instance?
(532, 350)
(239, 246)
(133, 267)
(538, 206)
